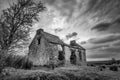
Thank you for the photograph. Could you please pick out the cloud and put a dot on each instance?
(70, 35)
(102, 42)
(83, 42)
(116, 43)
(105, 39)
(108, 52)
(117, 20)
(106, 47)
(108, 13)
(98, 47)
(112, 49)
(101, 26)
(104, 7)
(58, 30)
(66, 7)
(108, 26)
(105, 55)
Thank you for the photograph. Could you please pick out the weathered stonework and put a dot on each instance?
(47, 49)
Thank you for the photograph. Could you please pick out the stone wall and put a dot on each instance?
(40, 54)
(80, 56)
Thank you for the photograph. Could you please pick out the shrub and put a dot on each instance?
(26, 63)
(18, 61)
(103, 66)
(9, 60)
(96, 79)
(22, 62)
(92, 65)
(85, 78)
(113, 68)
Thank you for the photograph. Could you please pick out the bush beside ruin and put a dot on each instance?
(113, 68)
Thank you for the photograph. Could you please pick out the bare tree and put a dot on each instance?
(16, 21)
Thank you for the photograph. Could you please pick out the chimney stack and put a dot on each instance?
(73, 43)
(40, 30)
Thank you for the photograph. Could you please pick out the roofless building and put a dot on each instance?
(47, 49)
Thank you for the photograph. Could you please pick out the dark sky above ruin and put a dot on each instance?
(95, 24)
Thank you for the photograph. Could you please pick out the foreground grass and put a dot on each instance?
(63, 73)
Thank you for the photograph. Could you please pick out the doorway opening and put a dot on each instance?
(73, 57)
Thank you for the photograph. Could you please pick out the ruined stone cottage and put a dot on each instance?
(47, 49)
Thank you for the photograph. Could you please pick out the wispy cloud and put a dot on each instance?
(58, 30)
(105, 39)
(71, 35)
(101, 26)
(104, 26)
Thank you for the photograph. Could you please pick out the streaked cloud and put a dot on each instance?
(71, 35)
(107, 26)
(103, 47)
(105, 39)
(101, 26)
(58, 30)
(116, 43)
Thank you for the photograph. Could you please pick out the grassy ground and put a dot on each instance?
(62, 73)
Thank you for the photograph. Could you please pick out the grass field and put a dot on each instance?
(62, 73)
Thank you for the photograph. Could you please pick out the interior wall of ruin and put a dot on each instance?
(80, 56)
(67, 55)
(78, 59)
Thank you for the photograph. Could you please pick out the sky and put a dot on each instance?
(94, 24)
